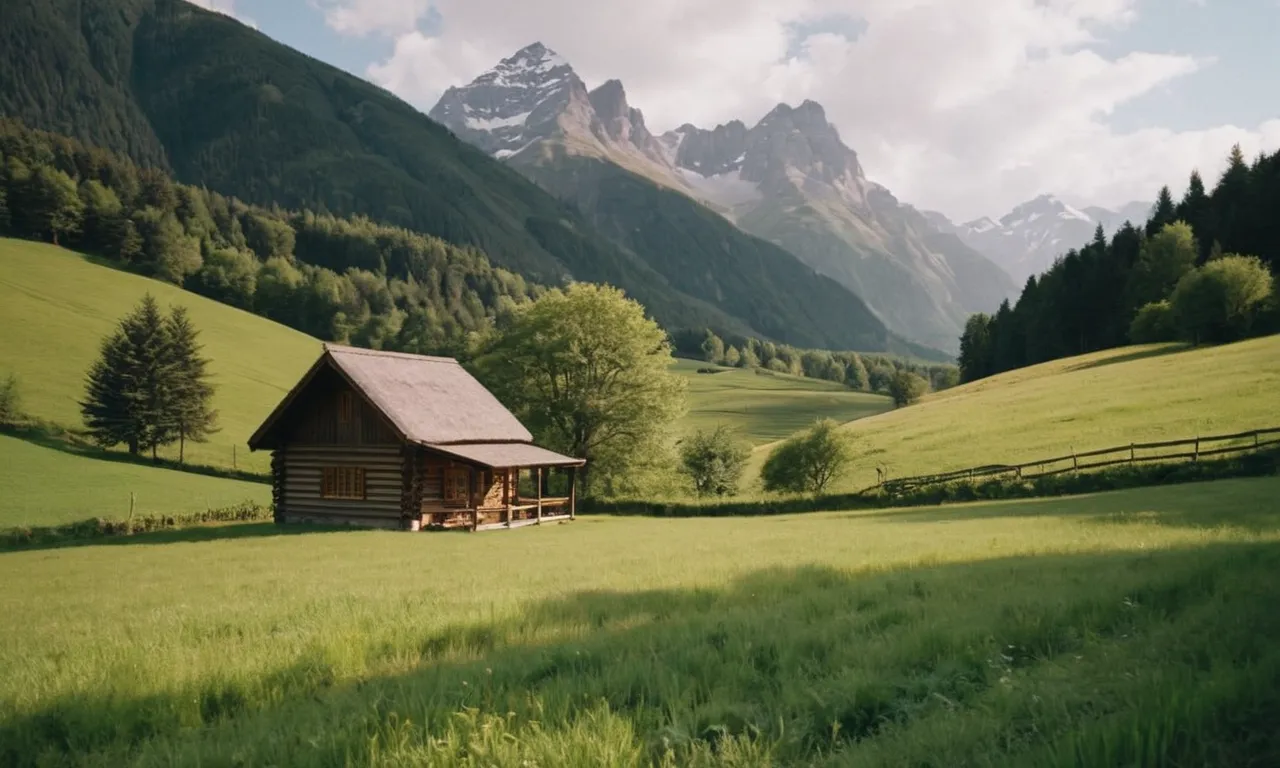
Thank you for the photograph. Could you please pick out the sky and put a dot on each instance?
(968, 108)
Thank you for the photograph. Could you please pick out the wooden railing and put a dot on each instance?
(1197, 448)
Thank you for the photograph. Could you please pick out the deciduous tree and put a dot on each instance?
(808, 462)
(714, 461)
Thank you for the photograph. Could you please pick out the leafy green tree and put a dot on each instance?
(732, 357)
(103, 217)
(856, 374)
(1153, 324)
(10, 399)
(1222, 300)
(714, 461)
(588, 372)
(229, 275)
(53, 204)
(907, 388)
(809, 461)
(167, 251)
(749, 359)
(190, 396)
(1164, 259)
(267, 237)
(713, 348)
(128, 395)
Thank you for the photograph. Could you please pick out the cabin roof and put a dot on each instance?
(431, 401)
(506, 455)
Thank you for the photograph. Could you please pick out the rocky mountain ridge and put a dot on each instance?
(789, 179)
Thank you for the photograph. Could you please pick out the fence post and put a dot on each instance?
(1075, 462)
(1196, 456)
(1131, 453)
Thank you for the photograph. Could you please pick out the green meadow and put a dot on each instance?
(47, 486)
(764, 406)
(1133, 628)
(59, 305)
(1107, 399)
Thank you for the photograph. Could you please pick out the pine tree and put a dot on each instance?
(1163, 213)
(128, 395)
(190, 396)
(1196, 209)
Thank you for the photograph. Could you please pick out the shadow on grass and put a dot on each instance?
(1252, 504)
(814, 663)
(1161, 351)
(58, 438)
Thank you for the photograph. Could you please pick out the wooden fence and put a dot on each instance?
(1192, 449)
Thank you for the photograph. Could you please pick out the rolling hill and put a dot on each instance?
(223, 106)
(1095, 401)
(58, 305)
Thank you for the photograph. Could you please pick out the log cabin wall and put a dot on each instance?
(451, 490)
(342, 462)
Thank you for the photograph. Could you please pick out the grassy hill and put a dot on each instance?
(1100, 400)
(46, 486)
(58, 305)
(765, 406)
(1118, 629)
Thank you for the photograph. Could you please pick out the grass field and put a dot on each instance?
(1133, 628)
(1096, 401)
(57, 306)
(45, 486)
(766, 407)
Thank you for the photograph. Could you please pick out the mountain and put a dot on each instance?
(1026, 241)
(789, 180)
(222, 106)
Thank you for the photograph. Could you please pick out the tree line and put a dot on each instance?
(341, 279)
(1200, 269)
(858, 371)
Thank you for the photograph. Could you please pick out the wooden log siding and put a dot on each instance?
(383, 500)
(277, 484)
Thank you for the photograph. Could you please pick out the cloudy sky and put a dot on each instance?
(965, 107)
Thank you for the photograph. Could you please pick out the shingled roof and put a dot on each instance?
(431, 401)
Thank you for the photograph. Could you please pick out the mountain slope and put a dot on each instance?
(1028, 239)
(789, 180)
(226, 107)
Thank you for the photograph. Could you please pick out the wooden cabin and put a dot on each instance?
(390, 440)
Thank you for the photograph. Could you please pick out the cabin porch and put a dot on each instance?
(479, 498)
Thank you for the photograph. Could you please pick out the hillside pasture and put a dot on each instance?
(765, 406)
(1119, 629)
(58, 306)
(1102, 400)
(47, 486)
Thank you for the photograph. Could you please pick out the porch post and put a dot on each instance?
(475, 506)
(506, 491)
(538, 481)
(573, 492)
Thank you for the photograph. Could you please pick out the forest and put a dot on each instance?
(1196, 271)
(339, 279)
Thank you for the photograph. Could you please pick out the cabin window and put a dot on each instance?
(457, 485)
(342, 483)
(346, 407)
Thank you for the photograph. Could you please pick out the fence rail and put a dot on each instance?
(1201, 447)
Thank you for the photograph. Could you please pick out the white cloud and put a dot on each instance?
(965, 107)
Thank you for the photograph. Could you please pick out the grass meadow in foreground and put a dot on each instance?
(765, 406)
(46, 486)
(56, 306)
(1133, 628)
(1103, 400)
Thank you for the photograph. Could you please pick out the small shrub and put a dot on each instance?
(10, 400)
(711, 370)
(714, 461)
(1153, 324)
(809, 461)
(907, 388)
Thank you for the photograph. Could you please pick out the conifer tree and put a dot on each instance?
(1163, 213)
(128, 397)
(191, 394)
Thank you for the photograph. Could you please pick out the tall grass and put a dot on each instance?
(1133, 625)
